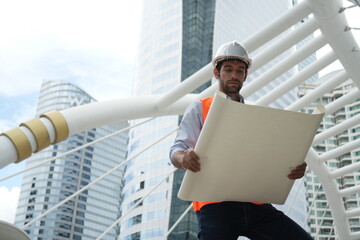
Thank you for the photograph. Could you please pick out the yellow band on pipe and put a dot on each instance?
(40, 132)
(60, 125)
(21, 143)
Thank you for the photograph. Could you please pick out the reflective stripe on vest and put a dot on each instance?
(206, 103)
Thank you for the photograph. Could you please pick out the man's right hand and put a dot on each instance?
(187, 160)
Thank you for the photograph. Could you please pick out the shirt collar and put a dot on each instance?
(241, 98)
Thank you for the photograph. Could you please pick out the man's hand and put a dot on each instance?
(298, 172)
(187, 160)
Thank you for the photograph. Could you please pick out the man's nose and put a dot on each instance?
(234, 76)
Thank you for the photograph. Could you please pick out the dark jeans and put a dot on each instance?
(229, 220)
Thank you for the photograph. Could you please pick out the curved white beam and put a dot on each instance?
(332, 26)
(332, 193)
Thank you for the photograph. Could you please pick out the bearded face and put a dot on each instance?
(231, 77)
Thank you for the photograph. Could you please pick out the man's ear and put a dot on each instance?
(246, 75)
(216, 73)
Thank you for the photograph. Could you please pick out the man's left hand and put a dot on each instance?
(298, 172)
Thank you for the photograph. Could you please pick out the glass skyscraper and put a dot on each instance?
(177, 39)
(89, 214)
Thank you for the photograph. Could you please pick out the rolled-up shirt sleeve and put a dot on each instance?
(189, 129)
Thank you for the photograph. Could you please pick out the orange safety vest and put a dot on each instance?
(206, 103)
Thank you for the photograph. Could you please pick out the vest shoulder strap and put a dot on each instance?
(206, 103)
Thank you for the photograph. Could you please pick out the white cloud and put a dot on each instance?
(8, 203)
(105, 24)
(49, 40)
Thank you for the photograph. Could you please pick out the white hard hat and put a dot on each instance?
(231, 51)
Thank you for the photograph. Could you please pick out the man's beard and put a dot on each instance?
(230, 89)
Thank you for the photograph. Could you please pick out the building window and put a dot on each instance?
(77, 229)
(134, 220)
(134, 236)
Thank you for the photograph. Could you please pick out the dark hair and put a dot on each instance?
(218, 66)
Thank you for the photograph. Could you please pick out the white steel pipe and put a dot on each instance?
(339, 128)
(92, 115)
(349, 191)
(283, 66)
(50, 128)
(188, 85)
(330, 187)
(345, 170)
(326, 86)
(74, 150)
(30, 137)
(8, 152)
(100, 113)
(354, 236)
(296, 79)
(283, 43)
(352, 213)
(333, 25)
(340, 150)
(273, 29)
(342, 101)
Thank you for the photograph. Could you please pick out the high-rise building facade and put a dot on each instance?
(89, 214)
(320, 220)
(177, 39)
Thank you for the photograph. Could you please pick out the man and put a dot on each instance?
(229, 220)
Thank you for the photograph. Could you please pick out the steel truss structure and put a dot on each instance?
(327, 16)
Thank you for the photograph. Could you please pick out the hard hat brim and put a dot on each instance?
(245, 60)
